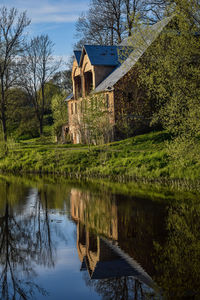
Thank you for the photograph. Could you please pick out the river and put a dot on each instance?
(63, 239)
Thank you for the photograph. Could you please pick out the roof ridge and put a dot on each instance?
(148, 38)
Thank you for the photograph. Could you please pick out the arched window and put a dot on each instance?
(78, 87)
(88, 82)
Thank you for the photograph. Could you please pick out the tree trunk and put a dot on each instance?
(112, 36)
(3, 111)
(42, 110)
(4, 128)
(41, 125)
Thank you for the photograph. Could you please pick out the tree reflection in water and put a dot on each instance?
(178, 262)
(163, 238)
(123, 288)
(25, 240)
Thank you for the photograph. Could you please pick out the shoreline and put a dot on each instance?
(141, 159)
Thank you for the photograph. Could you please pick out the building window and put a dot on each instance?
(72, 111)
(75, 108)
(88, 82)
(130, 97)
(107, 101)
(78, 87)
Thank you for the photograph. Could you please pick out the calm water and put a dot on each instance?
(85, 241)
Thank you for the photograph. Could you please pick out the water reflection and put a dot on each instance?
(25, 241)
(100, 238)
(119, 237)
(178, 262)
(120, 247)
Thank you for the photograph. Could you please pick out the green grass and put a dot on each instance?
(141, 157)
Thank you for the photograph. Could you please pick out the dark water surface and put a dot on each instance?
(97, 241)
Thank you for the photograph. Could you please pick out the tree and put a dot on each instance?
(63, 80)
(59, 111)
(12, 26)
(101, 24)
(22, 122)
(170, 72)
(134, 10)
(95, 122)
(156, 9)
(107, 22)
(37, 67)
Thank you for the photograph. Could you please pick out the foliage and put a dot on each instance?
(25, 73)
(50, 90)
(22, 123)
(59, 112)
(170, 72)
(95, 122)
(142, 158)
(178, 263)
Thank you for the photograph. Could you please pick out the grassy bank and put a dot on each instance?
(143, 157)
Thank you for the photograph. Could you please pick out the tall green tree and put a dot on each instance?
(59, 112)
(22, 122)
(170, 73)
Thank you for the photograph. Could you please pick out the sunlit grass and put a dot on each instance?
(143, 156)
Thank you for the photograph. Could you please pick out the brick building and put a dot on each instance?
(111, 71)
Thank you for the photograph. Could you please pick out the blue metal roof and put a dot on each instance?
(104, 55)
(77, 55)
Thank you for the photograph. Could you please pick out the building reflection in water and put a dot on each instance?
(98, 245)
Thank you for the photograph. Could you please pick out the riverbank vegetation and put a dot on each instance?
(143, 157)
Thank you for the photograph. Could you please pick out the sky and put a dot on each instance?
(56, 18)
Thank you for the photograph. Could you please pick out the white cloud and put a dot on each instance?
(41, 11)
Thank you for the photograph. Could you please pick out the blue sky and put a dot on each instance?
(53, 17)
